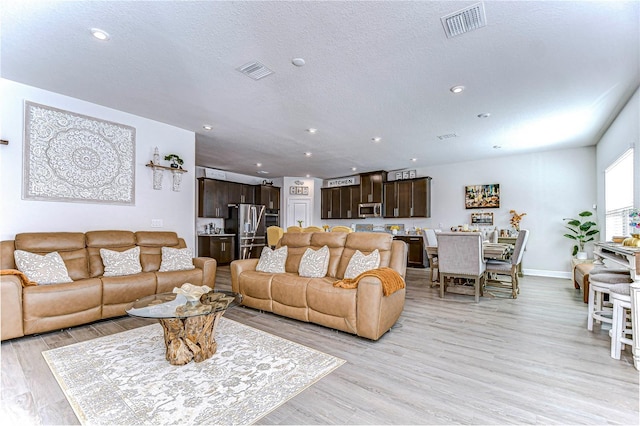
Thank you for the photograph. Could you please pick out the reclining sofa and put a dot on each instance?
(90, 296)
(363, 311)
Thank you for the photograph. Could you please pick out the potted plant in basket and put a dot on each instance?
(582, 230)
(176, 161)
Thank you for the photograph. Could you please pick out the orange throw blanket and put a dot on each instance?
(391, 280)
(23, 278)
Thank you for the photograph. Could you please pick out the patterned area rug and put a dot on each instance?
(124, 378)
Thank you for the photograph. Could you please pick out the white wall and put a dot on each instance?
(175, 209)
(623, 134)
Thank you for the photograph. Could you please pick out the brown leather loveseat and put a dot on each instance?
(91, 296)
(363, 311)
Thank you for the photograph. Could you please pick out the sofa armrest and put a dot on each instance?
(10, 307)
(376, 313)
(209, 267)
(239, 266)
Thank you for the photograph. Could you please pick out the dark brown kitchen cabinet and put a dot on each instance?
(213, 198)
(241, 193)
(330, 203)
(269, 196)
(416, 256)
(371, 187)
(221, 248)
(407, 198)
(349, 200)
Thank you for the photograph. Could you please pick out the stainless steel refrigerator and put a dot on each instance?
(247, 221)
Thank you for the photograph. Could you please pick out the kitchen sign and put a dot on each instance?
(344, 181)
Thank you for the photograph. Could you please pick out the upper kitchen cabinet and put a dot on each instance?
(349, 200)
(213, 198)
(371, 187)
(330, 200)
(269, 196)
(408, 198)
(241, 193)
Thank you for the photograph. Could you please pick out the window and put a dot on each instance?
(618, 195)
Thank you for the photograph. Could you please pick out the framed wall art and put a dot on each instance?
(482, 196)
(482, 219)
(76, 158)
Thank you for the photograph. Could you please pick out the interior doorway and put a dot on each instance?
(299, 209)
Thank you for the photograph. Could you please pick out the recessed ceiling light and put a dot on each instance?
(307, 154)
(258, 164)
(207, 127)
(353, 169)
(298, 62)
(263, 172)
(312, 130)
(100, 34)
(497, 147)
(308, 176)
(376, 139)
(457, 89)
(414, 159)
(484, 115)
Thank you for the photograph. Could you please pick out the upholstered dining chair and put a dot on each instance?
(460, 256)
(294, 229)
(341, 228)
(312, 229)
(508, 267)
(274, 233)
(430, 242)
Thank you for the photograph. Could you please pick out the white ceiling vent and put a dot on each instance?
(447, 136)
(465, 20)
(255, 70)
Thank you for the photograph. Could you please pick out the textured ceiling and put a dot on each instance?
(551, 74)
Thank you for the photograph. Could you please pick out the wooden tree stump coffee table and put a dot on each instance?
(189, 327)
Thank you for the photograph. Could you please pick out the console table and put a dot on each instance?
(627, 257)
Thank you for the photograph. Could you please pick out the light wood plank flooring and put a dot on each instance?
(452, 361)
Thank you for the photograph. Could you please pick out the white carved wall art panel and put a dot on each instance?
(76, 158)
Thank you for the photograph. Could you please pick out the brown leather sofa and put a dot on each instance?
(363, 311)
(90, 297)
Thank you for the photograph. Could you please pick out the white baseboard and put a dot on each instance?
(545, 273)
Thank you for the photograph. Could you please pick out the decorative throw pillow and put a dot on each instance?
(47, 269)
(314, 263)
(174, 259)
(360, 263)
(272, 260)
(118, 263)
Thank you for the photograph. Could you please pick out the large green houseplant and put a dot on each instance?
(582, 230)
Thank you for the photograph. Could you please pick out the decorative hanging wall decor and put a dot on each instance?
(76, 158)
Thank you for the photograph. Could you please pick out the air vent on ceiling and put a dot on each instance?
(255, 70)
(465, 20)
(447, 136)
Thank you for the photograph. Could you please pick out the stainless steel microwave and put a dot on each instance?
(370, 210)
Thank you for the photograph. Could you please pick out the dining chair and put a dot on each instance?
(460, 256)
(274, 233)
(341, 228)
(509, 267)
(430, 242)
(312, 229)
(294, 229)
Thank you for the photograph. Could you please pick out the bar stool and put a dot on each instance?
(599, 285)
(620, 294)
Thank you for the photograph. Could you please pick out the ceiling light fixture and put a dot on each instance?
(353, 169)
(258, 164)
(207, 127)
(414, 159)
(100, 34)
(457, 89)
(308, 176)
(298, 62)
(376, 139)
(263, 172)
(312, 130)
(497, 147)
(484, 115)
(307, 154)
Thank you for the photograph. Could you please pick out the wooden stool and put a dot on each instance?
(620, 294)
(599, 285)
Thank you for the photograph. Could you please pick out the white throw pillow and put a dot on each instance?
(47, 269)
(117, 263)
(272, 260)
(314, 263)
(360, 263)
(174, 259)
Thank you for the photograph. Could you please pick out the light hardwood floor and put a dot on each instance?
(452, 361)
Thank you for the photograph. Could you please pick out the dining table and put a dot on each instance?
(499, 251)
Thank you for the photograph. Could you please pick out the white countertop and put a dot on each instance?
(203, 234)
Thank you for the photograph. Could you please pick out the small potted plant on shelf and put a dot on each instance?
(582, 230)
(176, 161)
(394, 229)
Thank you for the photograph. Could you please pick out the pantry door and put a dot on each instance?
(299, 209)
